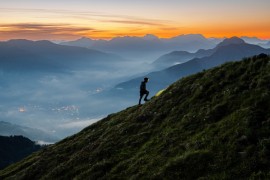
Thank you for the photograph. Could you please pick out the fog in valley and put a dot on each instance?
(61, 103)
(60, 89)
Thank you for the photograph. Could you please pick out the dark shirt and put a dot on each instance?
(143, 86)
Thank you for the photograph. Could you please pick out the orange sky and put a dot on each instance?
(68, 19)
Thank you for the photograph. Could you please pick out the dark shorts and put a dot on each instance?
(144, 92)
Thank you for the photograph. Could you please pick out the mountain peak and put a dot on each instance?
(190, 37)
(81, 42)
(232, 40)
(24, 42)
(84, 39)
(150, 37)
(19, 41)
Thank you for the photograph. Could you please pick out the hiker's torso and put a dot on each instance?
(143, 86)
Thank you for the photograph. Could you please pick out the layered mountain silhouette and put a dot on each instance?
(46, 56)
(179, 57)
(265, 45)
(253, 40)
(8, 129)
(231, 49)
(211, 125)
(15, 148)
(146, 47)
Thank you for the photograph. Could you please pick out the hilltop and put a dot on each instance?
(211, 125)
(9, 149)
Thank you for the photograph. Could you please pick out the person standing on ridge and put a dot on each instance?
(143, 90)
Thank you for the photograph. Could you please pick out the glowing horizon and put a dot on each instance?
(105, 19)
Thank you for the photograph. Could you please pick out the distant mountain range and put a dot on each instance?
(231, 49)
(265, 45)
(253, 40)
(150, 47)
(257, 41)
(146, 47)
(46, 56)
(8, 129)
(178, 57)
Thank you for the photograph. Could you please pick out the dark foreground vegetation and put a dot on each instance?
(15, 148)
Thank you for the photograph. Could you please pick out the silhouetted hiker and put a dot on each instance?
(143, 90)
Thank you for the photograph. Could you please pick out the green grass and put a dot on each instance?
(211, 125)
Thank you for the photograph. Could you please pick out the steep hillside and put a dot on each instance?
(211, 125)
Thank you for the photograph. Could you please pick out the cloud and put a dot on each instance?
(83, 14)
(134, 22)
(75, 24)
(43, 31)
(63, 103)
(79, 124)
(45, 27)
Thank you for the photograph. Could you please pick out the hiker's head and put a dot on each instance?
(146, 79)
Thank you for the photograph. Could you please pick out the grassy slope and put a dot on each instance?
(214, 124)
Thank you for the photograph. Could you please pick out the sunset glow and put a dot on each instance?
(105, 19)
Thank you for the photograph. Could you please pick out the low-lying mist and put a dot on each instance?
(63, 103)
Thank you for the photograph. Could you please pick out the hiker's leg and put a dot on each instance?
(141, 95)
(146, 95)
